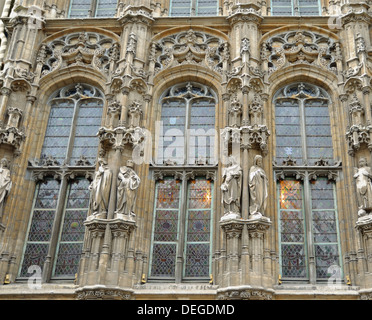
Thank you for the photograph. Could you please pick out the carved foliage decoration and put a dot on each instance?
(190, 47)
(83, 49)
(300, 47)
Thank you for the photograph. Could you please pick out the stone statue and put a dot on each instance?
(5, 183)
(100, 189)
(258, 187)
(231, 187)
(363, 180)
(128, 183)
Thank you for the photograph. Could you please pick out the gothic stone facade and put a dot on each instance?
(108, 193)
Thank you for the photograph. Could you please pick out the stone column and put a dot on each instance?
(233, 232)
(258, 230)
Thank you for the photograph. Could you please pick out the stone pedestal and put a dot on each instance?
(106, 259)
(247, 269)
(364, 225)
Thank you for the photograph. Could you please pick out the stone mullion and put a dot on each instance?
(181, 231)
(308, 223)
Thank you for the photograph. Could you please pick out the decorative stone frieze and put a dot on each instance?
(245, 293)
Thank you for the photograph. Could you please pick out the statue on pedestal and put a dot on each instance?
(363, 180)
(231, 188)
(128, 183)
(100, 189)
(5, 184)
(258, 187)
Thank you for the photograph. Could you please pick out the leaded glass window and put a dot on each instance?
(302, 124)
(55, 235)
(193, 7)
(295, 7)
(323, 228)
(72, 233)
(307, 177)
(187, 125)
(75, 116)
(182, 229)
(92, 8)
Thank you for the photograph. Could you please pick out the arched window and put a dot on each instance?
(307, 206)
(56, 232)
(187, 125)
(92, 8)
(184, 171)
(295, 7)
(193, 7)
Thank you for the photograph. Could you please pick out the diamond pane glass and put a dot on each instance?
(281, 7)
(106, 8)
(34, 256)
(292, 230)
(292, 226)
(73, 229)
(288, 131)
(290, 194)
(58, 129)
(322, 194)
(168, 194)
(79, 8)
(41, 225)
(79, 195)
(207, 7)
(200, 196)
(326, 255)
(172, 139)
(324, 226)
(309, 7)
(197, 260)
(201, 133)
(163, 260)
(166, 225)
(87, 125)
(68, 259)
(198, 226)
(47, 195)
(180, 8)
(293, 261)
(165, 234)
(318, 131)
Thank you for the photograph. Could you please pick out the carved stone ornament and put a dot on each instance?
(87, 49)
(190, 47)
(300, 47)
(244, 293)
(103, 293)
